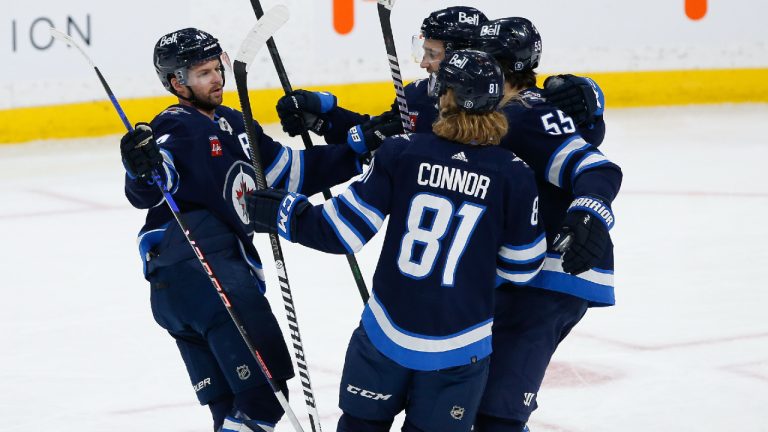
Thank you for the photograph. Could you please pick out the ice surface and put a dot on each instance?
(686, 347)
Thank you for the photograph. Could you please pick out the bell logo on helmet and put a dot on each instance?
(168, 39)
(490, 30)
(473, 19)
(458, 61)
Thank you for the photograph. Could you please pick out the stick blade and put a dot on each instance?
(265, 27)
(389, 4)
(67, 39)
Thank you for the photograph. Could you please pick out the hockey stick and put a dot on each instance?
(245, 56)
(385, 13)
(190, 239)
(283, 75)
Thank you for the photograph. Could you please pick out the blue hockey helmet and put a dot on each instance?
(456, 26)
(475, 77)
(514, 41)
(176, 52)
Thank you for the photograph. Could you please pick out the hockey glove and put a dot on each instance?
(583, 238)
(274, 210)
(301, 110)
(140, 152)
(367, 137)
(579, 97)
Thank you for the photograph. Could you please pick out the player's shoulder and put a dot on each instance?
(175, 114)
(177, 120)
(397, 144)
(419, 87)
(235, 118)
(500, 159)
(225, 111)
(527, 103)
(419, 84)
(517, 175)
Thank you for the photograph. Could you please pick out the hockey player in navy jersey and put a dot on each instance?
(201, 149)
(552, 139)
(463, 218)
(577, 184)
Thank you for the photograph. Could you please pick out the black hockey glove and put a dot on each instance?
(583, 238)
(579, 97)
(274, 211)
(302, 110)
(367, 137)
(140, 152)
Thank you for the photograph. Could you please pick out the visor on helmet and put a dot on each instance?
(193, 75)
(429, 54)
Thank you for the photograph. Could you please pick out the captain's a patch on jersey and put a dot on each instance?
(215, 146)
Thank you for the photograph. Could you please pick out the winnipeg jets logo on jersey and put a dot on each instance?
(240, 181)
(473, 19)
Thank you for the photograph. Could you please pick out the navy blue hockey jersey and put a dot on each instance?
(564, 158)
(462, 220)
(207, 169)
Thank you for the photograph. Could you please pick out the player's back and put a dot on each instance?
(452, 208)
(566, 166)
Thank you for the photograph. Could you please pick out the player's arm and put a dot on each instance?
(142, 154)
(521, 256)
(584, 235)
(341, 225)
(318, 112)
(582, 100)
(305, 171)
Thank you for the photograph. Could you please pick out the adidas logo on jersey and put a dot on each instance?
(460, 156)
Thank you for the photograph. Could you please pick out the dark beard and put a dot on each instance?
(204, 105)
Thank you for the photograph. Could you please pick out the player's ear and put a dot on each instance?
(177, 86)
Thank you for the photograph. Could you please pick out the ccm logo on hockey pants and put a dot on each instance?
(368, 394)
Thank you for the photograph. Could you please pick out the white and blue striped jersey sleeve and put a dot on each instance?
(306, 171)
(521, 255)
(141, 193)
(344, 223)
